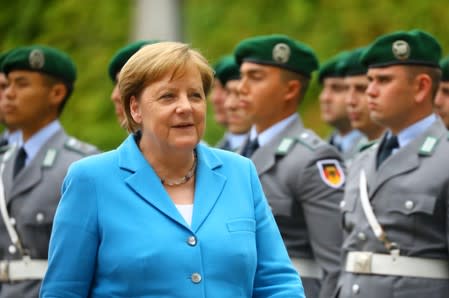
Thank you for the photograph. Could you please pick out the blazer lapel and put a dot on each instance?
(209, 185)
(144, 181)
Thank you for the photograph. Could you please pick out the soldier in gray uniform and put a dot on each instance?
(395, 209)
(40, 80)
(442, 97)
(301, 174)
(333, 107)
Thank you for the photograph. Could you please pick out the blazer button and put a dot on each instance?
(196, 278)
(12, 249)
(191, 241)
(40, 217)
(342, 204)
(355, 289)
(12, 220)
(409, 205)
(361, 236)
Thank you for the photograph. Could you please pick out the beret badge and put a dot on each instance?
(281, 53)
(36, 59)
(401, 49)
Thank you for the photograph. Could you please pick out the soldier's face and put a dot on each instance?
(217, 98)
(171, 111)
(3, 85)
(391, 98)
(442, 102)
(116, 100)
(30, 101)
(239, 122)
(332, 102)
(262, 92)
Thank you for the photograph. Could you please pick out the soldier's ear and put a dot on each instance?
(57, 93)
(423, 87)
(293, 89)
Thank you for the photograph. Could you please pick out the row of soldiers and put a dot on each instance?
(365, 213)
(35, 152)
(354, 225)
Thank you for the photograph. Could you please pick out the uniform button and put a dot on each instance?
(355, 289)
(12, 249)
(361, 236)
(342, 204)
(409, 205)
(191, 241)
(12, 220)
(196, 278)
(40, 217)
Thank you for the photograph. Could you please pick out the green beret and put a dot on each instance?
(329, 68)
(414, 47)
(351, 65)
(42, 59)
(277, 50)
(444, 64)
(123, 54)
(2, 58)
(226, 69)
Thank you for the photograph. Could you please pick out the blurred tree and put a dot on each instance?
(91, 32)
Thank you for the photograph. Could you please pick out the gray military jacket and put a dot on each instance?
(306, 209)
(409, 194)
(32, 198)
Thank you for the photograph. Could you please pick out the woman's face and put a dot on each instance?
(171, 111)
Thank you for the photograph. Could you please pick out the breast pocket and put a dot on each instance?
(406, 215)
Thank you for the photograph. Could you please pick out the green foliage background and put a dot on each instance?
(91, 31)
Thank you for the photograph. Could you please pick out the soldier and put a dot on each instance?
(40, 80)
(442, 97)
(10, 135)
(115, 65)
(333, 107)
(301, 174)
(217, 98)
(239, 122)
(395, 209)
(356, 99)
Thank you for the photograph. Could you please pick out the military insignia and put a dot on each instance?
(285, 146)
(36, 59)
(401, 49)
(281, 53)
(428, 146)
(331, 172)
(49, 158)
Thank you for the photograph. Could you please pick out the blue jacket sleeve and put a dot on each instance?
(74, 239)
(275, 276)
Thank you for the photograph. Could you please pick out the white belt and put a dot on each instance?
(307, 268)
(25, 269)
(385, 264)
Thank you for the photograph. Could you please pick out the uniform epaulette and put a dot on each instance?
(80, 147)
(310, 140)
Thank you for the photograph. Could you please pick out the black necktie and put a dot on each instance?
(20, 160)
(386, 149)
(250, 147)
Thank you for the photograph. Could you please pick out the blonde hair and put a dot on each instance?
(150, 64)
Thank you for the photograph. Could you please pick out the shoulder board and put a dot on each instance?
(366, 145)
(310, 140)
(80, 147)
